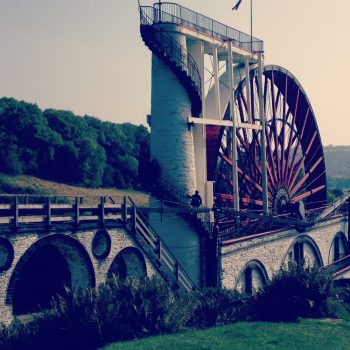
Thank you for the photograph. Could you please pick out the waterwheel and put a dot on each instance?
(294, 154)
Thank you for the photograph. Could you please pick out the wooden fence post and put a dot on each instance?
(48, 208)
(124, 210)
(102, 210)
(15, 214)
(77, 210)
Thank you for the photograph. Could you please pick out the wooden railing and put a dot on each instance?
(21, 210)
(158, 250)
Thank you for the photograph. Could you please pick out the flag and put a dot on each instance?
(237, 5)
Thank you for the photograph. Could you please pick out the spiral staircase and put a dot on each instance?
(174, 55)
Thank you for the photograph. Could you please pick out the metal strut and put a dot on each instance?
(263, 135)
(234, 139)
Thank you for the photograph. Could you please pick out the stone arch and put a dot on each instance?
(252, 277)
(304, 249)
(45, 269)
(338, 248)
(129, 262)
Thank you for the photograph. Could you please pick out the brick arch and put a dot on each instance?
(304, 239)
(129, 262)
(72, 255)
(254, 267)
(343, 247)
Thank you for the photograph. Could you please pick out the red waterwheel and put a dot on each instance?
(294, 153)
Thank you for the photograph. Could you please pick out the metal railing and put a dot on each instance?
(168, 12)
(158, 250)
(172, 48)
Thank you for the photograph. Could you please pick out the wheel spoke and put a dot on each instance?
(274, 111)
(308, 193)
(296, 149)
(291, 130)
(302, 161)
(306, 176)
(242, 173)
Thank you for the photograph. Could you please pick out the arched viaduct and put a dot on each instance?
(43, 263)
(45, 248)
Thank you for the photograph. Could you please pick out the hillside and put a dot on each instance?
(23, 184)
(60, 146)
(338, 166)
(337, 161)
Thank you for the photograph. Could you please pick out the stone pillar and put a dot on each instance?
(171, 140)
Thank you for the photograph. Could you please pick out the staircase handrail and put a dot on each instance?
(172, 48)
(181, 276)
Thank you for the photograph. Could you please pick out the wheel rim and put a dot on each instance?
(294, 153)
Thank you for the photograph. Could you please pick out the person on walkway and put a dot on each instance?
(196, 200)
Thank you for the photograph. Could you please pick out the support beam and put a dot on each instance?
(234, 139)
(196, 50)
(216, 82)
(334, 206)
(263, 136)
(223, 123)
(201, 65)
(268, 218)
(249, 99)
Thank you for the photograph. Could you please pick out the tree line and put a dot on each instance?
(60, 146)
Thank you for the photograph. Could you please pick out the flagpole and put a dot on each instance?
(251, 25)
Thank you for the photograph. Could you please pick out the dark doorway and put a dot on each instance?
(44, 275)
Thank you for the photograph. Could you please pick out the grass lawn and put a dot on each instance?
(306, 335)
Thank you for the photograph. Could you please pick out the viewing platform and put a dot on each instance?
(199, 26)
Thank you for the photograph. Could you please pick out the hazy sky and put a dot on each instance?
(87, 55)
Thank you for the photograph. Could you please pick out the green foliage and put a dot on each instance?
(117, 310)
(214, 307)
(333, 194)
(295, 292)
(129, 309)
(61, 146)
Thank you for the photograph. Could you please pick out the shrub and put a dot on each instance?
(295, 292)
(215, 306)
(117, 310)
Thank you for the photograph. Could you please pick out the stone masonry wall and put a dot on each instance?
(272, 250)
(22, 242)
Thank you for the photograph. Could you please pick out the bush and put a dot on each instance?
(117, 310)
(295, 292)
(214, 307)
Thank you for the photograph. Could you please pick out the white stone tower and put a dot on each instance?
(182, 43)
(171, 139)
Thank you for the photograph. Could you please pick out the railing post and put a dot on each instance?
(134, 216)
(48, 208)
(159, 249)
(77, 210)
(124, 210)
(15, 214)
(102, 210)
